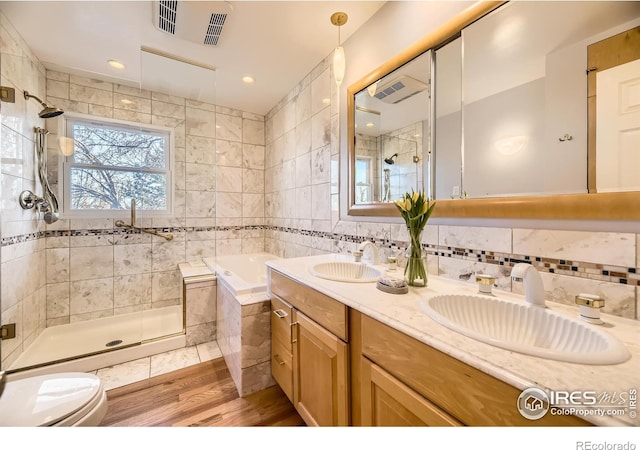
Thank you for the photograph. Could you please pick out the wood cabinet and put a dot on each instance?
(341, 367)
(313, 342)
(320, 375)
(386, 401)
(399, 371)
(281, 345)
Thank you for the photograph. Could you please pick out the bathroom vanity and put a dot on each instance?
(349, 354)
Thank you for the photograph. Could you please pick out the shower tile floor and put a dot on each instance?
(151, 366)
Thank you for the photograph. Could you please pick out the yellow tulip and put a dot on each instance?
(425, 207)
(400, 204)
(416, 196)
(407, 204)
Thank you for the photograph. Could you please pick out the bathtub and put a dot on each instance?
(243, 328)
(243, 275)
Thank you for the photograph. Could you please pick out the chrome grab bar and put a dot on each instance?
(132, 226)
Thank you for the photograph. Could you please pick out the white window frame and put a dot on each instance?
(369, 176)
(65, 164)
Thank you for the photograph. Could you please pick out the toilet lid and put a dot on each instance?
(46, 399)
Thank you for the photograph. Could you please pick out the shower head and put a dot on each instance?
(51, 216)
(48, 111)
(390, 160)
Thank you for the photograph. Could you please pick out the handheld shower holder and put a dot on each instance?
(28, 200)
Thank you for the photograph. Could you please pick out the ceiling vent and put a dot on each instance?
(399, 89)
(199, 22)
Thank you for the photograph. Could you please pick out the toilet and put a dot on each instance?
(59, 399)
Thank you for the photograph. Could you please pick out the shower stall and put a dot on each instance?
(401, 169)
(94, 224)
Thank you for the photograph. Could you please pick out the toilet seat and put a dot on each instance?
(62, 399)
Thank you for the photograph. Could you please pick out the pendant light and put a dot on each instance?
(339, 63)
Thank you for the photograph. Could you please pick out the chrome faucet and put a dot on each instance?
(374, 250)
(533, 287)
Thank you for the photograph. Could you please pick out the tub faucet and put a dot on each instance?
(533, 287)
(376, 253)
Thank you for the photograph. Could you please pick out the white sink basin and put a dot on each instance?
(351, 272)
(525, 329)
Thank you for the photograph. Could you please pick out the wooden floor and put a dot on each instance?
(202, 395)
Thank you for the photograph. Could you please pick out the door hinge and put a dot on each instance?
(8, 331)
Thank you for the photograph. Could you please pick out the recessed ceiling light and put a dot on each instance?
(370, 124)
(116, 64)
(248, 79)
(326, 101)
(126, 101)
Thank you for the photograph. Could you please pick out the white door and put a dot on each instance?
(618, 128)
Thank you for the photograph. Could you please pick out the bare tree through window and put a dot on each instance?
(113, 164)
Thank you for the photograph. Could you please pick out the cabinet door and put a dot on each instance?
(386, 401)
(320, 383)
(281, 358)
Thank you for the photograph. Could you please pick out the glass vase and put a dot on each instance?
(415, 269)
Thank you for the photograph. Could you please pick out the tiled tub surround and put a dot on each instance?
(244, 322)
(199, 291)
(244, 338)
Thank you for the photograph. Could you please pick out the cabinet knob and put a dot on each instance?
(278, 360)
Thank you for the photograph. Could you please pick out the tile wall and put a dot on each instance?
(219, 203)
(301, 177)
(23, 264)
(571, 262)
(76, 270)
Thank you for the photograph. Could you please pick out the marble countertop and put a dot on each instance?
(403, 313)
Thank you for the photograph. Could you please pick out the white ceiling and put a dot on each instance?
(277, 43)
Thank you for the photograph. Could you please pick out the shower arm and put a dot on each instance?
(132, 225)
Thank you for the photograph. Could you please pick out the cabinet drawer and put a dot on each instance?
(281, 367)
(281, 322)
(470, 395)
(324, 310)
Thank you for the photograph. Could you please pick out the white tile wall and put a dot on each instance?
(23, 287)
(289, 203)
(88, 275)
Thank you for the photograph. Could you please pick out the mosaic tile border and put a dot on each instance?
(602, 272)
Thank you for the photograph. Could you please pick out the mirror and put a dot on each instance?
(524, 95)
(561, 146)
(392, 130)
(447, 161)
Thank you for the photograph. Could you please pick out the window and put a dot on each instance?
(113, 163)
(363, 179)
